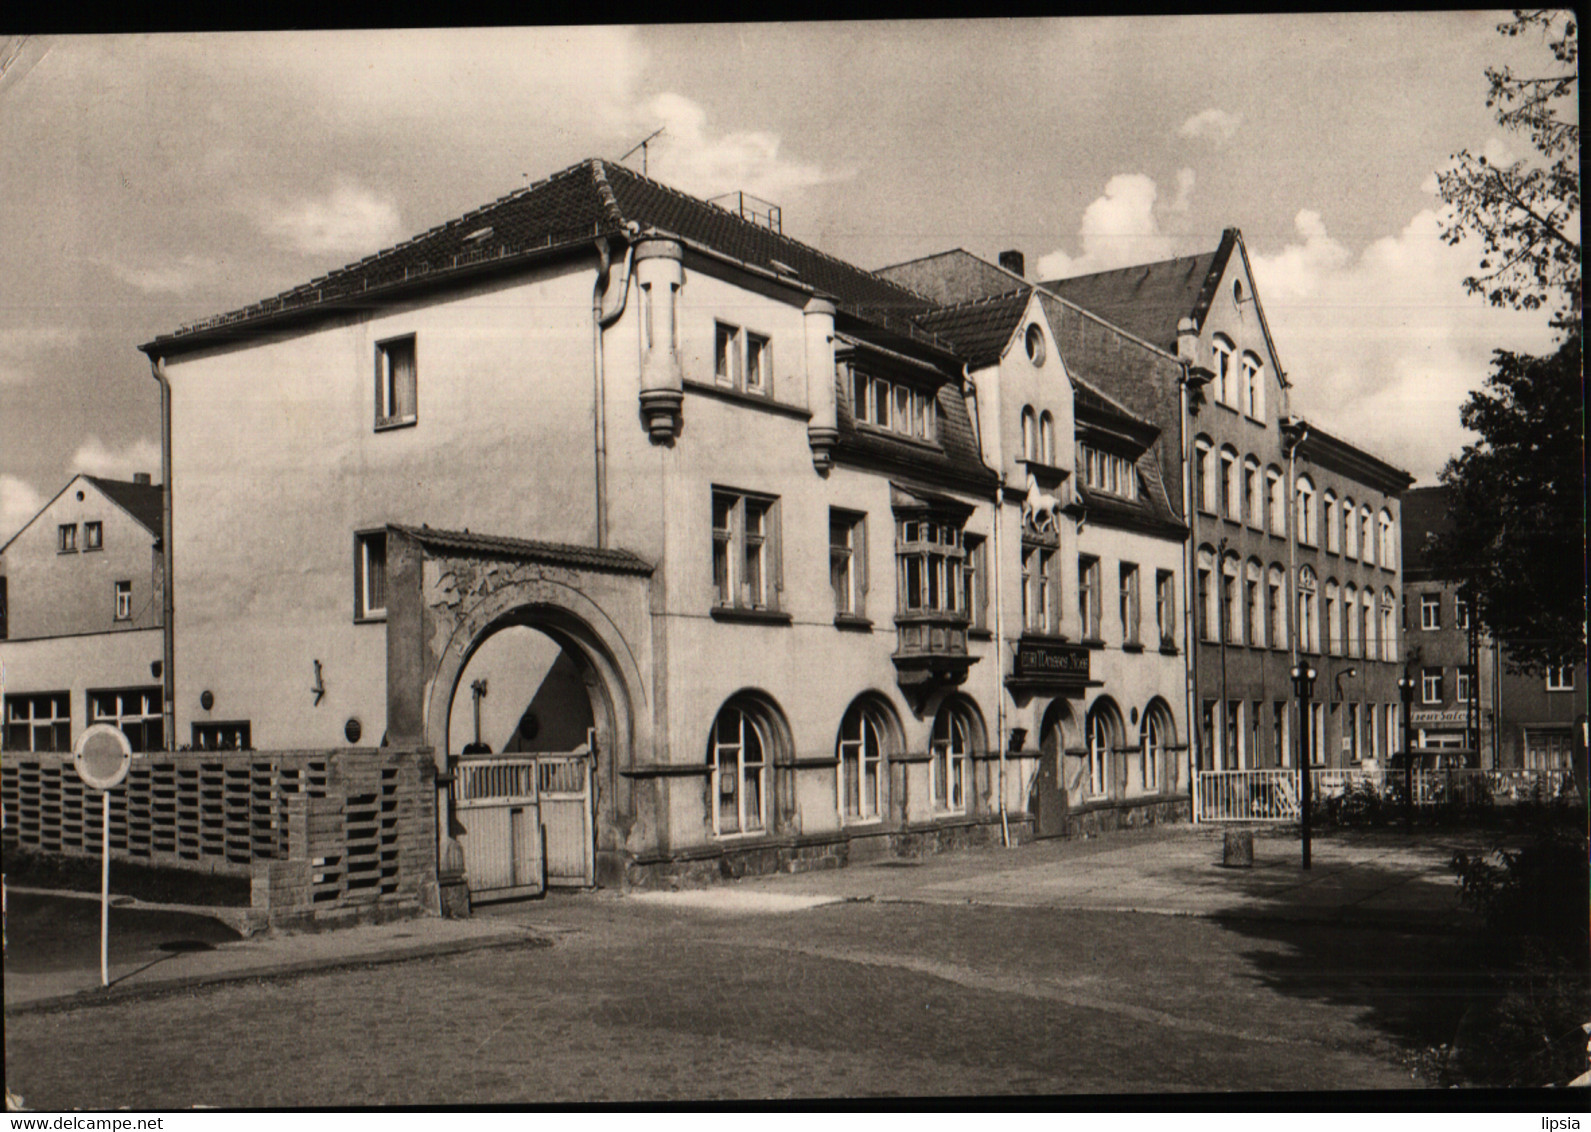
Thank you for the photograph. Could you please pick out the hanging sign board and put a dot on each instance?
(102, 756)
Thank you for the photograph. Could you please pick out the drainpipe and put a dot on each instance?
(1192, 378)
(600, 320)
(1293, 435)
(993, 569)
(168, 723)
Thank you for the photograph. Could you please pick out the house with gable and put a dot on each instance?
(1089, 545)
(608, 496)
(80, 613)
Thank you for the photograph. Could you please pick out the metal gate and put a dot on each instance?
(527, 822)
(495, 801)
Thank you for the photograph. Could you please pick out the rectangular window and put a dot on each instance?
(396, 382)
(40, 721)
(974, 581)
(1235, 757)
(1207, 717)
(848, 562)
(1430, 685)
(222, 736)
(1231, 609)
(1129, 603)
(124, 601)
(1255, 497)
(745, 550)
(1038, 584)
(1461, 687)
(370, 576)
(1256, 612)
(1088, 597)
(1280, 755)
(1431, 611)
(93, 536)
(66, 539)
(759, 363)
(1232, 506)
(135, 710)
(1278, 632)
(1166, 608)
(1350, 740)
(928, 556)
(1317, 734)
(1206, 622)
(1560, 678)
(1461, 611)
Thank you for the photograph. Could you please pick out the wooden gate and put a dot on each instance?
(563, 784)
(495, 801)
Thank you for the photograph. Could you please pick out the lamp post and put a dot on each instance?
(1406, 690)
(1303, 689)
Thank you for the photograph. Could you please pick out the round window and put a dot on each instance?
(1035, 344)
(1237, 290)
(353, 729)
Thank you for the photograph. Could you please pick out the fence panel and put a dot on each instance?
(1272, 795)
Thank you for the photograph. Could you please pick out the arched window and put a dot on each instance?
(1389, 625)
(1276, 604)
(950, 757)
(740, 753)
(1103, 730)
(1225, 378)
(1203, 474)
(1231, 604)
(1254, 387)
(1367, 537)
(1350, 530)
(1254, 595)
(1231, 487)
(1306, 511)
(1254, 493)
(865, 737)
(1367, 613)
(1350, 612)
(1308, 619)
(1205, 597)
(1047, 438)
(1030, 433)
(1273, 495)
(1333, 618)
(1155, 736)
(1328, 504)
(1388, 561)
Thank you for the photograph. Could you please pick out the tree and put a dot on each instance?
(1526, 214)
(1517, 506)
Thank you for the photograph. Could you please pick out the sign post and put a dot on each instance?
(102, 757)
(1304, 689)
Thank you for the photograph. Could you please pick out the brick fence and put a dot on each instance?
(325, 837)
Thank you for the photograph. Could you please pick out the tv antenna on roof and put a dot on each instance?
(641, 145)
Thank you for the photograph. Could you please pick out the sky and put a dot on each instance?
(150, 180)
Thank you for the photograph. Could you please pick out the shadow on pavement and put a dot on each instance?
(46, 934)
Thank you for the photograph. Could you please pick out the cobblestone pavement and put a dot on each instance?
(647, 1000)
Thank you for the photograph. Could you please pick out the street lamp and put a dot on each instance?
(1406, 690)
(1303, 690)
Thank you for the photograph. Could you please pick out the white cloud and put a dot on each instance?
(168, 277)
(96, 459)
(1118, 229)
(19, 502)
(1212, 124)
(21, 346)
(1382, 347)
(349, 219)
(691, 157)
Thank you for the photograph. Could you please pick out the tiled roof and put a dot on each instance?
(140, 500)
(557, 553)
(1086, 395)
(981, 328)
(592, 198)
(953, 276)
(1149, 299)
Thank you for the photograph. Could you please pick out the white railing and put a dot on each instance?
(1272, 795)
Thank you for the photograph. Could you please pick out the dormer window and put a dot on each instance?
(1108, 472)
(893, 405)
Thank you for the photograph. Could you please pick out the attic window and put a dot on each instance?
(478, 234)
(1033, 341)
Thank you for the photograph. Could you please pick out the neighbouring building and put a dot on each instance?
(1469, 699)
(1274, 557)
(701, 517)
(80, 614)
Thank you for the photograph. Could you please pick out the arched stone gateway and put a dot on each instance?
(566, 630)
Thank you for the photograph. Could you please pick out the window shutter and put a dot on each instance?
(776, 547)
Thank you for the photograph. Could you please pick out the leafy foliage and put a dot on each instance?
(1517, 506)
(1526, 214)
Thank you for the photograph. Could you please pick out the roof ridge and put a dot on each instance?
(1025, 290)
(1131, 267)
(610, 203)
(819, 252)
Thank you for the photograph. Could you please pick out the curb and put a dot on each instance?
(160, 988)
(239, 917)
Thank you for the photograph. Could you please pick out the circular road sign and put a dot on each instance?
(102, 756)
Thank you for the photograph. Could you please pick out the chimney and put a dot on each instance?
(140, 477)
(1012, 261)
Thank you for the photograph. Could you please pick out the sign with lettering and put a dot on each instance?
(1446, 715)
(1051, 660)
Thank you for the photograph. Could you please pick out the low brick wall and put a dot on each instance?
(324, 837)
(1095, 820)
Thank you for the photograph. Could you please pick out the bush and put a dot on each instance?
(1526, 1030)
(1359, 804)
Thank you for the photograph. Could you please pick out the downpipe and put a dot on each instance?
(168, 724)
(601, 319)
(970, 387)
